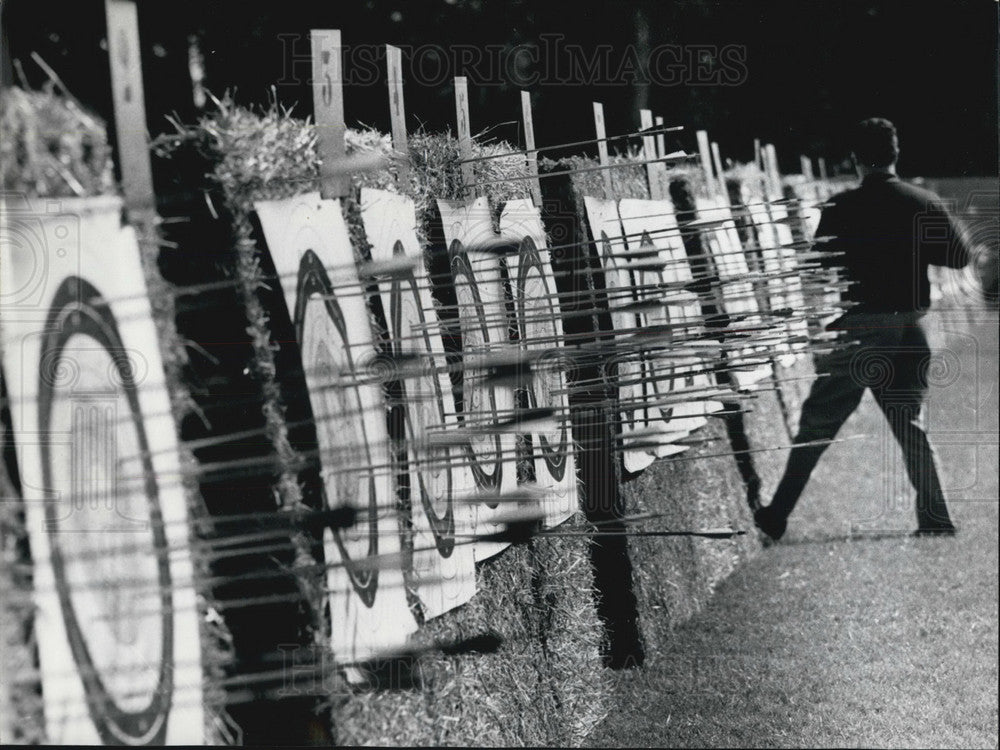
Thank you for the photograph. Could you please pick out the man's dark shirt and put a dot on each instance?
(889, 232)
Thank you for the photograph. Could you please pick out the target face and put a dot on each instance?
(424, 411)
(442, 566)
(312, 253)
(115, 613)
(648, 369)
(538, 321)
(539, 325)
(657, 370)
(326, 345)
(121, 633)
(484, 326)
(737, 297)
(773, 236)
(727, 254)
(654, 222)
(810, 194)
(633, 375)
(485, 450)
(625, 369)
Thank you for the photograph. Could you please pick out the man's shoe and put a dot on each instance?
(936, 531)
(770, 522)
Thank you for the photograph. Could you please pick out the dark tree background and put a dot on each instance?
(809, 67)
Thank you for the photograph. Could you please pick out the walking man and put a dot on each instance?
(888, 232)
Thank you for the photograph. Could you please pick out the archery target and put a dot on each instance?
(809, 194)
(723, 244)
(440, 479)
(830, 298)
(482, 320)
(312, 253)
(785, 287)
(640, 427)
(482, 403)
(540, 330)
(106, 513)
(655, 223)
(794, 293)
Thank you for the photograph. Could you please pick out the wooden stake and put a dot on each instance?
(661, 151)
(706, 160)
(807, 167)
(821, 162)
(717, 161)
(602, 148)
(649, 154)
(130, 107)
(756, 154)
(397, 112)
(771, 162)
(328, 108)
(529, 144)
(661, 139)
(464, 133)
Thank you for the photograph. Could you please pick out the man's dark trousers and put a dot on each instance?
(888, 353)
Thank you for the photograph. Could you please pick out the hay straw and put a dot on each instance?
(21, 713)
(51, 146)
(256, 156)
(543, 687)
(674, 578)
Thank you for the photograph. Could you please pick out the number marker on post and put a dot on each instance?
(807, 167)
(130, 107)
(397, 112)
(328, 107)
(602, 148)
(717, 161)
(464, 133)
(529, 144)
(706, 160)
(649, 154)
(771, 161)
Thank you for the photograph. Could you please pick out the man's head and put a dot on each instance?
(875, 144)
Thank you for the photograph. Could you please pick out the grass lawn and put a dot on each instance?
(840, 639)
